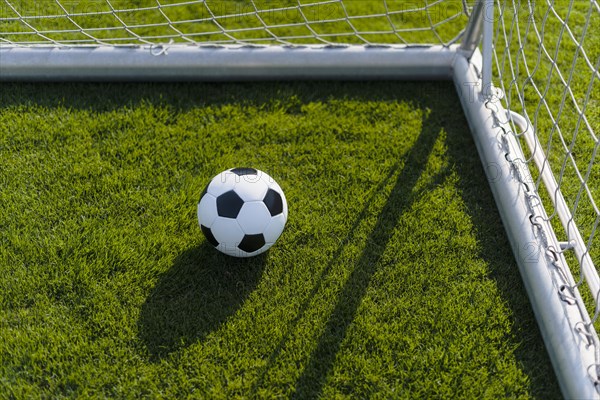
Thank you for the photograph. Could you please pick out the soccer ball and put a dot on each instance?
(242, 212)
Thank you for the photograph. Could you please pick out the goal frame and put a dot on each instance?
(564, 322)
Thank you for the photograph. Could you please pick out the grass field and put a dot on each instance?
(393, 278)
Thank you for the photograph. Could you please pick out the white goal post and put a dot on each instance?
(526, 72)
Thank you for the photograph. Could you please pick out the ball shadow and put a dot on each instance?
(194, 297)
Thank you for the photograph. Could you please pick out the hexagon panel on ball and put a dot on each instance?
(242, 212)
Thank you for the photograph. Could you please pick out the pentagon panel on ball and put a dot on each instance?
(242, 212)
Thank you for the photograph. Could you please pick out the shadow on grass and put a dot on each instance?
(311, 381)
(495, 250)
(502, 267)
(197, 295)
(178, 96)
(320, 279)
(194, 297)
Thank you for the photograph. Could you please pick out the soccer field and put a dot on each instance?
(393, 278)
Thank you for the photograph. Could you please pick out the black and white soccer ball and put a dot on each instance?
(242, 212)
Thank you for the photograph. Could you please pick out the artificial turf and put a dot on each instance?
(393, 278)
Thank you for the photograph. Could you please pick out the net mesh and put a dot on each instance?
(253, 22)
(546, 61)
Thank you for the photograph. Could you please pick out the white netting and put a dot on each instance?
(547, 56)
(126, 22)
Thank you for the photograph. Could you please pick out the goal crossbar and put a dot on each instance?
(225, 63)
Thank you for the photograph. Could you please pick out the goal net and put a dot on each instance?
(220, 22)
(527, 74)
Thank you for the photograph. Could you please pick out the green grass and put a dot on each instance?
(393, 277)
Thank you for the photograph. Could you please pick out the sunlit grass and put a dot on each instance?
(393, 277)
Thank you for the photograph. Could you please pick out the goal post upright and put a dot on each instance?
(554, 290)
(566, 327)
(565, 324)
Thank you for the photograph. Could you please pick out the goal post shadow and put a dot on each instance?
(314, 374)
(494, 247)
